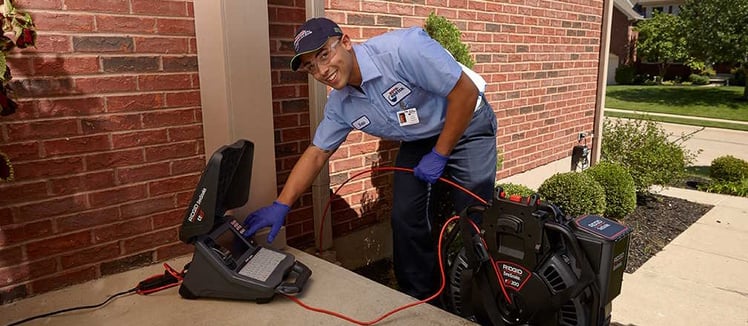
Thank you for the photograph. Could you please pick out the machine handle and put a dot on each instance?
(303, 273)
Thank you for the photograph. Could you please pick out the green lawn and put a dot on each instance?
(678, 120)
(710, 102)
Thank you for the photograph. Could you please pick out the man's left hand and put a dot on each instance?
(431, 167)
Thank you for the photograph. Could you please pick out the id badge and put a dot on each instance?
(407, 117)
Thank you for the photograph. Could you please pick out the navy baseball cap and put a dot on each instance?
(312, 36)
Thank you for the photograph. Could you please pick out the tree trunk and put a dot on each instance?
(745, 88)
(663, 71)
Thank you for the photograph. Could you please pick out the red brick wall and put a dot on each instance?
(540, 58)
(622, 37)
(107, 141)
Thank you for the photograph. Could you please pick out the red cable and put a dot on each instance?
(412, 304)
(178, 276)
(441, 264)
(386, 168)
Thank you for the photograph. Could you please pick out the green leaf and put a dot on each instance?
(3, 66)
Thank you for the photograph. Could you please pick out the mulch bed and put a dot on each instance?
(655, 222)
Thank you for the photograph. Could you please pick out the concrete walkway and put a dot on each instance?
(697, 279)
(700, 277)
(712, 142)
(330, 287)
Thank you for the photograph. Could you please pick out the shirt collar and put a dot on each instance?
(369, 70)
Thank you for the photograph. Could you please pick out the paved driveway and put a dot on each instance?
(713, 142)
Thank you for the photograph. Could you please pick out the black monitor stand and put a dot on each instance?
(226, 265)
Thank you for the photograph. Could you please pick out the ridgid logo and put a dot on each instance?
(396, 93)
(196, 208)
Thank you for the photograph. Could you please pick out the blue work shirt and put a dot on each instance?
(400, 70)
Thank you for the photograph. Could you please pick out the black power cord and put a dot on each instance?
(153, 284)
(74, 308)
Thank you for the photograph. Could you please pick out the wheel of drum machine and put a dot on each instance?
(554, 275)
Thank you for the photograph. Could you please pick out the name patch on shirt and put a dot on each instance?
(396, 93)
(361, 123)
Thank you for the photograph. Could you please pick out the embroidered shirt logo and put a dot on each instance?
(361, 123)
(396, 93)
(298, 38)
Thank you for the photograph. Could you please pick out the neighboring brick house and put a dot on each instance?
(108, 141)
(622, 37)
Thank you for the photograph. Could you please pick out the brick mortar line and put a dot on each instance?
(81, 12)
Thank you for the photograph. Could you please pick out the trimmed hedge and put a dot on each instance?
(620, 191)
(448, 35)
(625, 75)
(516, 189)
(729, 169)
(575, 193)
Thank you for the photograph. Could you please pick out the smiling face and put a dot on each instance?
(334, 64)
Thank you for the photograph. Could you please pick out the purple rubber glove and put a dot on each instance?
(272, 216)
(431, 167)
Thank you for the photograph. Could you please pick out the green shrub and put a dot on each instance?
(728, 168)
(448, 35)
(698, 79)
(575, 193)
(735, 188)
(643, 79)
(738, 76)
(709, 72)
(697, 66)
(643, 148)
(620, 191)
(625, 75)
(516, 189)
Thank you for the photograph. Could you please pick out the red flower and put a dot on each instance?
(27, 37)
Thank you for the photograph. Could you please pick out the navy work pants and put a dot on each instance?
(472, 164)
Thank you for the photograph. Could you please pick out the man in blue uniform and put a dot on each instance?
(404, 86)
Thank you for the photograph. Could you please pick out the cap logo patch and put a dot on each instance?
(299, 37)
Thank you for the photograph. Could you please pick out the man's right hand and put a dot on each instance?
(272, 216)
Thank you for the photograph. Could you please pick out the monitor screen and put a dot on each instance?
(235, 245)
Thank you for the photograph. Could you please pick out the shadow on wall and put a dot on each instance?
(51, 79)
(374, 204)
(364, 211)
